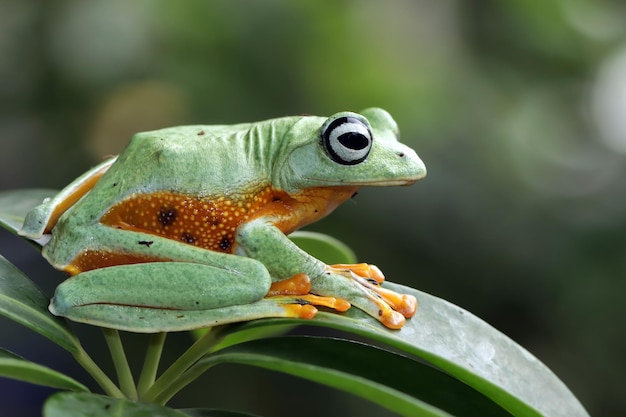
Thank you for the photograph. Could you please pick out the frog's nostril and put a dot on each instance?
(400, 154)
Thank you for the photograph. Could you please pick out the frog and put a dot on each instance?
(188, 226)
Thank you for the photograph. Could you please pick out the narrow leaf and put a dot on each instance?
(22, 301)
(467, 348)
(15, 367)
(69, 404)
(213, 412)
(396, 382)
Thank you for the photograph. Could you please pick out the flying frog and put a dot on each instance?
(187, 227)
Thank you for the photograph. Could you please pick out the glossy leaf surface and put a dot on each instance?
(15, 204)
(22, 301)
(394, 381)
(68, 404)
(15, 367)
(467, 348)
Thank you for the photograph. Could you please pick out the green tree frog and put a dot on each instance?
(187, 227)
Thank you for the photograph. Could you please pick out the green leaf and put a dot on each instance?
(465, 347)
(212, 412)
(15, 367)
(15, 204)
(70, 404)
(233, 336)
(22, 301)
(396, 382)
(323, 247)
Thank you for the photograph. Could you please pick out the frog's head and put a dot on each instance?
(347, 149)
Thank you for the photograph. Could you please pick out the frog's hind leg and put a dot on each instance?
(171, 296)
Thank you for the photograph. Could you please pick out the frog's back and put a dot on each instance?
(183, 163)
(195, 160)
(194, 184)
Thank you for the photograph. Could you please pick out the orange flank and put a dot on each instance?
(206, 223)
(94, 259)
(73, 197)
(211, 222)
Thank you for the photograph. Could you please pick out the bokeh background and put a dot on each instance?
(517, 107)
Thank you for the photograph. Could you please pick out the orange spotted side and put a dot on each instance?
(209, 223)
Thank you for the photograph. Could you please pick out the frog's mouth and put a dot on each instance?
(393, 183)
(371, 183)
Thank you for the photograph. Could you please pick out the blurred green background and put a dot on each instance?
(517, 107)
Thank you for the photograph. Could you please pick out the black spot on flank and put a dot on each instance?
(146, 243)
(301, 301)
(166, 216)
(380, 313)
(115, 184)
(201, 133)
(225, 244)
(372, 281)
(188, 238)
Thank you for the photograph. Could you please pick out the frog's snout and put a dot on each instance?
(412, 167)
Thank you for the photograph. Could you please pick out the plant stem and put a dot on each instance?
(151, 363)
(124, 375)
(97, 374)
(178, 368)
(183, 380)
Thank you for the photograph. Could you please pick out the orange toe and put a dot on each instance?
(301, 311)
(298, 284)
(363, 270)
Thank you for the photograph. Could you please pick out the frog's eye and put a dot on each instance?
(347, 140)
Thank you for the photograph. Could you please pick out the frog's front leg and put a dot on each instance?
(358, 284)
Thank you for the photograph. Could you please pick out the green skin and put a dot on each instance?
(204, 287)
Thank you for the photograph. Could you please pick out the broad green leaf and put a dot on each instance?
(15, 204)
(212, 412)
(70, 404)
(467, 348)
(396, 382)
(15, 367)
(323, 247)
(22, 301)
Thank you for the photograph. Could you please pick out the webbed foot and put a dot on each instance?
(362, 288)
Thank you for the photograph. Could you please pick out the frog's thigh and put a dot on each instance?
(150, 320)
(161, 286)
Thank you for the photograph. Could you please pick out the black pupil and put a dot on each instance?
(353, 140)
